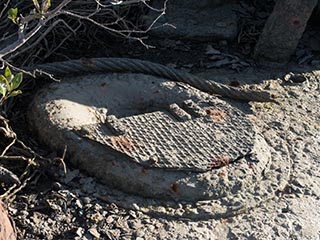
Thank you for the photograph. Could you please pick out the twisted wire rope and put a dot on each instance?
(127, 65)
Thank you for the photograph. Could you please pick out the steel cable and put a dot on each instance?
(98, 65)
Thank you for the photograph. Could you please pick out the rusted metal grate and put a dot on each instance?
(216, 134)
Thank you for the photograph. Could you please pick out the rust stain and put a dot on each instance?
(220, 161)
(216, 115)
(88, 62)
(174, 187)
(296, 22)
(122, 143)
(223, 173)
(224, 221)
(252, 119)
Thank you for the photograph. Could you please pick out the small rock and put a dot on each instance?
(24, 213)
(97, 217)
(56, 186)
(150, 228)
(94, 232)
(161, 209)
(109, 219)
(295, 78)
(86, 200)
(139, 233)
(79, 204)
(80, 231)
(133, 214)
(135, 207)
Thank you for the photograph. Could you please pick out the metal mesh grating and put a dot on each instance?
(157, 139)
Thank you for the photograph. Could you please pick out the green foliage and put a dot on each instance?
(39, 10)
(13, 14)
(9, 84)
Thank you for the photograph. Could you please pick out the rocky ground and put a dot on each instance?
(73, 206)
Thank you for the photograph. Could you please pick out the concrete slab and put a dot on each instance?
(92, 116)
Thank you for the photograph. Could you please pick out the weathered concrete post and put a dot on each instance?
(283, 30)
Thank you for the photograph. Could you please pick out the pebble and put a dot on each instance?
(80, 231)
(57, 186)
(150, 228)
(79, 204)
(139, 233)
(94, 232)
(135, 206)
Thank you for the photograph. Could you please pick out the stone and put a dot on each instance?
(6, 230)
(201, 20)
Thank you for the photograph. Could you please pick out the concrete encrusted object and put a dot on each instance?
(200, 20)
(283, 30)
(198, 144)
(65, 113)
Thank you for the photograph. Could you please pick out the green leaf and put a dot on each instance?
(12, 14)
(4, 81)
(8, 74)
(14, 93)
(3, 89)
(16, 81)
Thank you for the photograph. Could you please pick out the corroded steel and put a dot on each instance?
(123, 65)
(190, 135)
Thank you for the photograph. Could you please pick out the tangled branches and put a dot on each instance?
(31, 32)
(22, 159)
(36, 32)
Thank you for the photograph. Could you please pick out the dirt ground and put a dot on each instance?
(71, 207)
(54, 206)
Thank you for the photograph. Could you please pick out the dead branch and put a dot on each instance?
(35, 28)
